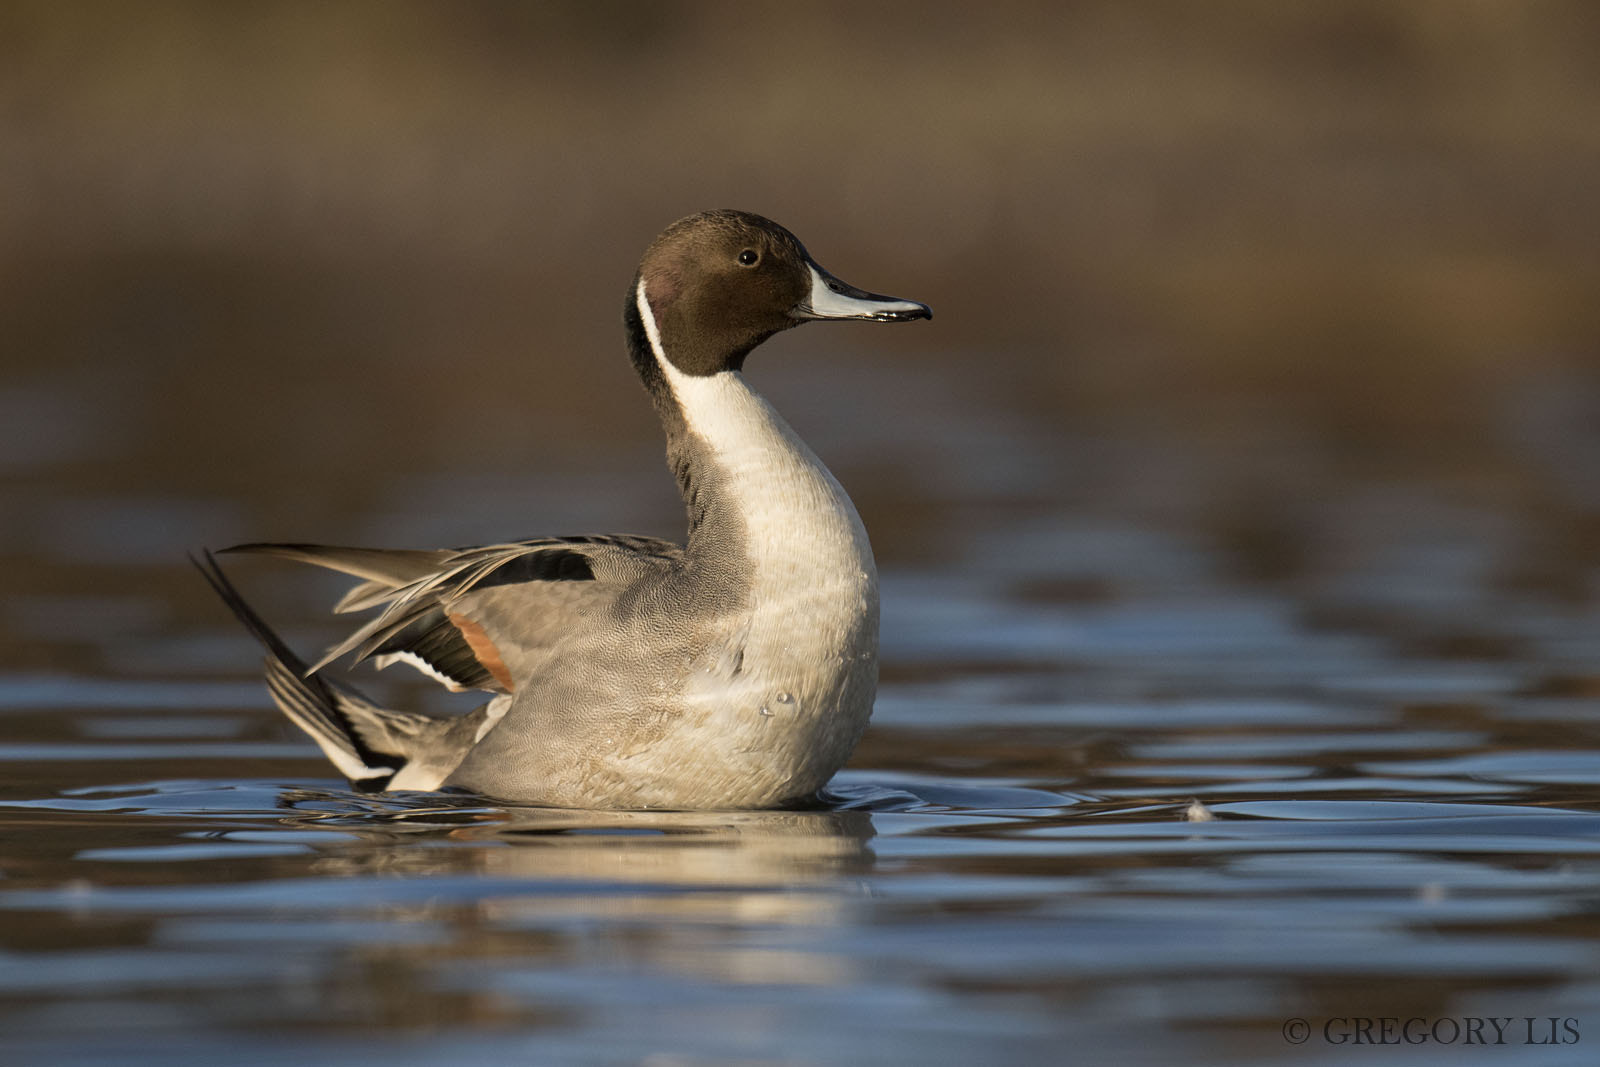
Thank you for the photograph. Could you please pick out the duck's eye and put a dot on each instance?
(749, 257)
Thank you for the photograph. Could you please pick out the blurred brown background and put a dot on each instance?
(295, 254)
(1253, 455)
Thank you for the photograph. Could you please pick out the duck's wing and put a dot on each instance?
(469, 617)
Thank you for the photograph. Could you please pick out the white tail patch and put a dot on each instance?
(493, 712)
(349, 763)
(417, 778)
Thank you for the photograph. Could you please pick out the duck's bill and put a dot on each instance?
(832, 299)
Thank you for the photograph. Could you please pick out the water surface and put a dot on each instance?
(1149, 783)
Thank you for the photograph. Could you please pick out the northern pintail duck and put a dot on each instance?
(736, 671)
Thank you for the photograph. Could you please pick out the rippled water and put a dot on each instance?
(1131, 791)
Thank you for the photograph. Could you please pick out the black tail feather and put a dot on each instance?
(314, 704)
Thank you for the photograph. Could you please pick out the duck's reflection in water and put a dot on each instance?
(708, 893)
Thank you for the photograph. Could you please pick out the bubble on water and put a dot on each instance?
(785, 698)
(766, 712)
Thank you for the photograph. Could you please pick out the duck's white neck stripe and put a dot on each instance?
(682, 385)
(802, 538)
(651, 330)
(709, 401)
(747, 439)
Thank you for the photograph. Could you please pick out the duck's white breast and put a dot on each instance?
(790, 685)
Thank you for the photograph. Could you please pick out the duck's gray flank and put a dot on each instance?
(735, 671)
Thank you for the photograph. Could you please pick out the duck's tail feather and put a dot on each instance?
(387, 567)
(342, 722)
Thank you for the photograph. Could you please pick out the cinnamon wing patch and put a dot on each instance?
(483, 650)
